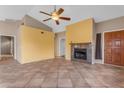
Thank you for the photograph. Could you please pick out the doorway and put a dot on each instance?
(114, 48)
(62, 47)
(7, 47)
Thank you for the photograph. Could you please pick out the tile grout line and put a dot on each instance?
(73, 85)
(81, 75)
(58, 75)
(30, 80)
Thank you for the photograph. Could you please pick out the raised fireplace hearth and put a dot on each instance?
(80, 53)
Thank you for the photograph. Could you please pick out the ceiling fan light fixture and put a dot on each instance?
(55, 16)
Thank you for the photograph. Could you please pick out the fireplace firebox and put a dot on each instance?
(80, 53)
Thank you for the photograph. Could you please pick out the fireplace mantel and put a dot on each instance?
(80, 43)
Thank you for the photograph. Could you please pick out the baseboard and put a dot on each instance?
(36, 61)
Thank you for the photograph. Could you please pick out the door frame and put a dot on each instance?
(103, 39)
(14, 44)
(60, 44)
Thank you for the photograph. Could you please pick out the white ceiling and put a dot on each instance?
(15, 12)
(76, 12)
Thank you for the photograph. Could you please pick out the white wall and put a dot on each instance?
(108, 26)
(62, 46)
(58, 36)
(10, 29)
(18, 46)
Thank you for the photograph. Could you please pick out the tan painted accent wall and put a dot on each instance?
(80, 32)
(36, 46)
(57, 38)
(109, 25)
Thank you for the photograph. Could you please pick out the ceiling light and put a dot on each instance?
(55, 16)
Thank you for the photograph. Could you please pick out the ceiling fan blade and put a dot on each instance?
(47, 19)
(45, 13)
(57, 22)
(60, 11)
(65, 18)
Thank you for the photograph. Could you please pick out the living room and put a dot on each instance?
(51, 46)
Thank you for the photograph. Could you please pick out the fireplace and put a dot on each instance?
(80, 53)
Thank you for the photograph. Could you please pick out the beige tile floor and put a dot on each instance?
(59, 73)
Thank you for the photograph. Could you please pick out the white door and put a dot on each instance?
(62, 47)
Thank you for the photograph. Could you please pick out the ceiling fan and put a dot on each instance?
(55, 15)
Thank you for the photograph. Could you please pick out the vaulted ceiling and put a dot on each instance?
(14, 12)
(76, 12)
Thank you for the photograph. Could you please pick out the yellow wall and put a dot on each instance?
(36, 46)
(80, 32)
